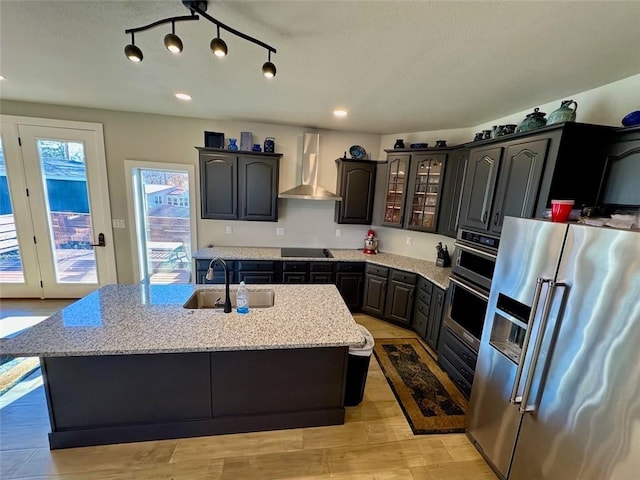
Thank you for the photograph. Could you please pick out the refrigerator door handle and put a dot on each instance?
(514, 398)
(524, 408)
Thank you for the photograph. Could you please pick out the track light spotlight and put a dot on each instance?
(172, 41)
(269, 69)
(218, 47)
(132, 52)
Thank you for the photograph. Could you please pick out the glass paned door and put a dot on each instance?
(426, 193)
(11, 270)
(165, 226)
(396, 190)
(66, 184)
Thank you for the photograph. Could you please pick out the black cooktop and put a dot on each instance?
(305, 252)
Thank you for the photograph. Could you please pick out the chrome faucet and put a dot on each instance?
(209, 276)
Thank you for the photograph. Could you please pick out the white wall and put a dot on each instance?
(132, 136)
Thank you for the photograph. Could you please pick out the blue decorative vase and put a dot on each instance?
(232, 144)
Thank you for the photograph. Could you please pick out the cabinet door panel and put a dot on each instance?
(399, 304)
(451, 192)
(375, 291)
(258, 181)
(435, 318)
(357, 183)
(396, 189)
(520, 175)
(479, 187)
(425, 190)
(350, 287)
(256, 277)
(218, 180)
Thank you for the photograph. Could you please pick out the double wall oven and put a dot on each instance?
(470, 282)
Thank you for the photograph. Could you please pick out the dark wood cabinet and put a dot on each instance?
(257, 272)
(426, 175)
(449, 215)
(435, 318)
(457, 359)
(321, 272)
(349, 280)
(395, 189)
(400, 294)
(356, 186)
(520, 176)
(621, 183)
(375, 289)
(238, 186)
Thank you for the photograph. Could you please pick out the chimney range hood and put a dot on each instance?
(308, 189)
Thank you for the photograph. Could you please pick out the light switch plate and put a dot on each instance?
(280, 231)
(228, 229)
(409, 240)
(118, 223)
(338, 232)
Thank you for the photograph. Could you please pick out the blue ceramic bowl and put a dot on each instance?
(632, 119)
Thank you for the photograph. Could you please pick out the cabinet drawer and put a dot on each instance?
(321, 277)
(462, 368)
(377, 270)
(423, 296)
(457, 378)
(256, 277)
(423, 308)
(292, 277)
(425, 285)
(218, 277)
(255, 266)
(459, 348)
(321, 266)
(420, 321)
(350, 267)
(404, 277)
(295, 266)
(204, 265)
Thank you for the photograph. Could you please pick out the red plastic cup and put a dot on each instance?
(560, 210)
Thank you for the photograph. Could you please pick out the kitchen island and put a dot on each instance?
(130, 363)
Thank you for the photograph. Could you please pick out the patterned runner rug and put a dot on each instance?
(430, 401)
(15, 370)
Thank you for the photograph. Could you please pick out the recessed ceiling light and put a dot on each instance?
(1, 77)
(340, 112)
(183, 96)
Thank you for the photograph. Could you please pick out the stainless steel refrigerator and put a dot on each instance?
(556, 392)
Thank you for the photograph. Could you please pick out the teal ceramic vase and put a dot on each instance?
(532, 121)
(563, 114)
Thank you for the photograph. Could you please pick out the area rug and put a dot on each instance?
(430, 401)
(15, 370)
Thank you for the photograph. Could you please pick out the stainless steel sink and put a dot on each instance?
(214, 298)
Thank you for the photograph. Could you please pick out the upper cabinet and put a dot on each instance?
(238, 186)
(449, 216)
(356, 186)
(519, 177)
(425, 190)
(396, 188)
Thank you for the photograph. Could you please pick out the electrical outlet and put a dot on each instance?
(280, 231)
(228, 229)
(409, 240)
(338, 232)
(118, 223)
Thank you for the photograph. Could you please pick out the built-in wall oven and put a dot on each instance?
(470, 282)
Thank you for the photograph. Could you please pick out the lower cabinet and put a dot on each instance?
(202, 266)
(458, 360)
(349, 280)
(375, 289)
(400, 293)
(435, 318)
(295, 272)
(256, 272)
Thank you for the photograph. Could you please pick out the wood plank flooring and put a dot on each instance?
(375, 443)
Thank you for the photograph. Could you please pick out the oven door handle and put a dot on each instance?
(514, 398)
(464, 246)
(473, 290)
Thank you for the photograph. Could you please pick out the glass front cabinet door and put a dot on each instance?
(425, 190)
(396, 190)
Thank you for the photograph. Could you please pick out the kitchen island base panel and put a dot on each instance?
(109, 399)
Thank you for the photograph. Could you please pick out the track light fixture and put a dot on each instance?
(218, 46)
(172, 41)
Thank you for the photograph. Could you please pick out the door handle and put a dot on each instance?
(514, 399)
(101, 241)
(536, 348)
(484, 216)
(496, 217)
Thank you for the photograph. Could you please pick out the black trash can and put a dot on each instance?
(357, 369)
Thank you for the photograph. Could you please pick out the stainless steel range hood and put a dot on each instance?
(308, 189)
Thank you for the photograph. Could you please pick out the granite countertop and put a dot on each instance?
(146, 319)
(425, 268)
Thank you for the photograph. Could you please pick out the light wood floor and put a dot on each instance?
(375, 443)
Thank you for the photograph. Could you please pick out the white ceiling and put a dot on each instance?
(395, 66)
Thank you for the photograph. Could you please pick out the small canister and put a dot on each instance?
(269, 144)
